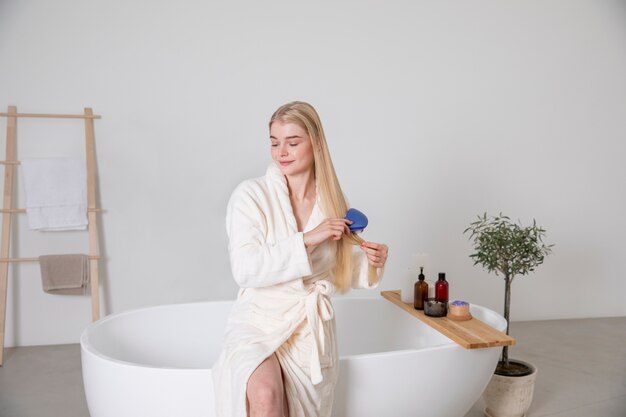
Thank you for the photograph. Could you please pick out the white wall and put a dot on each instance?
(434, 111)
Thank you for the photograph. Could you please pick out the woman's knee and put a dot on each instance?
(266, 397)
(265, 389)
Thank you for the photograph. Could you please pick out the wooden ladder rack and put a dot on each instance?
(9, 165)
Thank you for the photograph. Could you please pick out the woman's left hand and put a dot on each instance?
(376, 253)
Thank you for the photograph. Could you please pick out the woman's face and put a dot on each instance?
(291, 148)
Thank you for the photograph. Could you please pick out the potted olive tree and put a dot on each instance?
(508, 249)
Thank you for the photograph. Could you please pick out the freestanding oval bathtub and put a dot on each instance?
(157, 362)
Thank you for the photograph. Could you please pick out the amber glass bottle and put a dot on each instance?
(421, 290)
(441, 288)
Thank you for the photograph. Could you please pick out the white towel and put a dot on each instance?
(56, 193)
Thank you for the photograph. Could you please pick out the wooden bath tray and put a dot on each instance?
(471, 334)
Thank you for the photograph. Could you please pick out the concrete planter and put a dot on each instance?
(507, 396)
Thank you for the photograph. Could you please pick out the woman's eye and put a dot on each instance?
(274, 145)
(293, 144)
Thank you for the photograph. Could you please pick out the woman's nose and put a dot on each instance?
(283, 151)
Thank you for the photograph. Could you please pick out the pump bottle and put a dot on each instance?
(421, 290)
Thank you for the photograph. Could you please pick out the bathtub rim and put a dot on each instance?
(86, 345)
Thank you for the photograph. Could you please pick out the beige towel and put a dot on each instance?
(64, 274)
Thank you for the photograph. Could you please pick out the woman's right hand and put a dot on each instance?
(332, 229)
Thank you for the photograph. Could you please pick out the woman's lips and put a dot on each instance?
(284, 163)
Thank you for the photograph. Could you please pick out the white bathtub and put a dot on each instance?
(157, 362)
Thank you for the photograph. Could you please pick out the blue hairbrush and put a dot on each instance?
(359, 220)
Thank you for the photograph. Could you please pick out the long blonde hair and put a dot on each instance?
(333, 201)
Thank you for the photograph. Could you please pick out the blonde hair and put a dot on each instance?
(333, 201)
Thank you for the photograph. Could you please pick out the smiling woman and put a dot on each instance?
(290, 250)
(299, 121)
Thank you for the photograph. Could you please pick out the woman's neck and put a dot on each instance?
(302, 186)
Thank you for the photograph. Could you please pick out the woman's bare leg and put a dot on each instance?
(265, 390)
(285, 404)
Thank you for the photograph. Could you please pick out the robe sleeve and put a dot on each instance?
(360, 272)
(255, 262)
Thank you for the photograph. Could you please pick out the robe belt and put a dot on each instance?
(318, 310)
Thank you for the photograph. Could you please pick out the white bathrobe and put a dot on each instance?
(283, 305)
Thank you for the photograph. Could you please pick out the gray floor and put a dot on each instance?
(582, 372)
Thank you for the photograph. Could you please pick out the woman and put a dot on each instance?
(290, 250)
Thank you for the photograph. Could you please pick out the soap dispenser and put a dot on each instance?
(421, 290)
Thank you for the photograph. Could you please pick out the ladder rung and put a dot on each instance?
(21, 210)
(10, 162)
(91, 258)
(53, 116)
